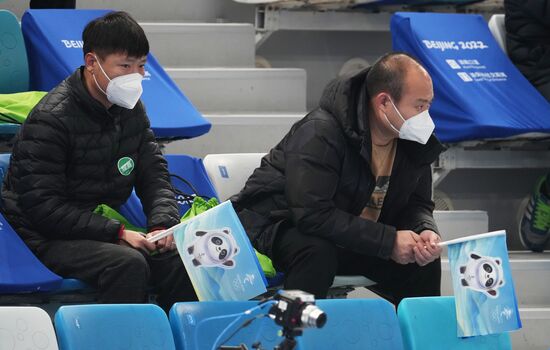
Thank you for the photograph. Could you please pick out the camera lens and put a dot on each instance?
(312, 316)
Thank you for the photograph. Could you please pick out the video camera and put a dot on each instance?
(294, 310)
(297, 310)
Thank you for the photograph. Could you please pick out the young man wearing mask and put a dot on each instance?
(348, 190)
(88, 142)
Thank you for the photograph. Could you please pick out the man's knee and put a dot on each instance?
(319, 251)
(132, 264)
(316, 258)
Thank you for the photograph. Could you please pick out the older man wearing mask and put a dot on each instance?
(348, 190)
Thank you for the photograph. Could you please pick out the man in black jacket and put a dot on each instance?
(348, 189)
(528, 40)
(528, 45)
(88, 142)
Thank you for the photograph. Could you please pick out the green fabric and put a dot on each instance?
(14, 108)
(108, 212)
(200, 205)
(266, 264)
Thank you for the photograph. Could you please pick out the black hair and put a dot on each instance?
(388, 73)
(116, 32)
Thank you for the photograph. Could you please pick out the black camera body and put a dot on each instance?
(296, 310)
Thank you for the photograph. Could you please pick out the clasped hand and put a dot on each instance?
(410, 247)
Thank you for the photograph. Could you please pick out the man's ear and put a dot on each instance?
(89, 61)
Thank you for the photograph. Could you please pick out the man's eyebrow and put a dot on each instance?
(133, 59)
(423, 100)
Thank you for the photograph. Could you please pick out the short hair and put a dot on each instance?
(116, 32)
(388, 73)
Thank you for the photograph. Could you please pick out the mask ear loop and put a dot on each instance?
(390, 124)
(95, 79)
(397, 110)
(388, 120)
(97, 59)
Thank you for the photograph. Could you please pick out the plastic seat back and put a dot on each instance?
(229, 172)
(196, 325)
(498, 29)
(355, 324)
(430, 324)
(113, 327)
(26, 327)
(14, 68)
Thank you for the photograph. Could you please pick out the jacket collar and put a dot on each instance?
(346, 99)
(78, 89)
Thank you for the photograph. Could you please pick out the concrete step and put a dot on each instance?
(243, 90)
(454, 224)
(189, 45)
(531, 273)
(176, 10)
(237, 134)
(161, 11)
(534, 335)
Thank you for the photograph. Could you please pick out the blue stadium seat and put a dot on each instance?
(479, 93)
(196, 325)
(187, 167)
(430, 324)
(55, 51)
(113, 327)
(377, 3)
(20, 270)
(14, 71)
(351, 324)
(354, 324)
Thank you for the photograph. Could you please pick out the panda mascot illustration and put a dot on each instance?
(214, 248)
(483, 274)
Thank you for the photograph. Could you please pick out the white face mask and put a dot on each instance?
(124, 90)
(417, 128)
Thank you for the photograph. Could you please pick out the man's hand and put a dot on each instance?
(403, 252)
(165, 244)
(137, 240)
(427, 248)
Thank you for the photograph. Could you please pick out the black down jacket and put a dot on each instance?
(319, 179)
(528, 37)
(66, 161)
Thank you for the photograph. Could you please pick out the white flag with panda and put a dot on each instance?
(482, 281)
(218, 255)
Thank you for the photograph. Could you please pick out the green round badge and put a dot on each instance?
(125, 165)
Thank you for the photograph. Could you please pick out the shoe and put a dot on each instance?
(534, 228)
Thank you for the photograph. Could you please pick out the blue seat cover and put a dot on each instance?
(376, 3)
(187, 167)
(54, 46)
(20, 270)
(479, 93)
